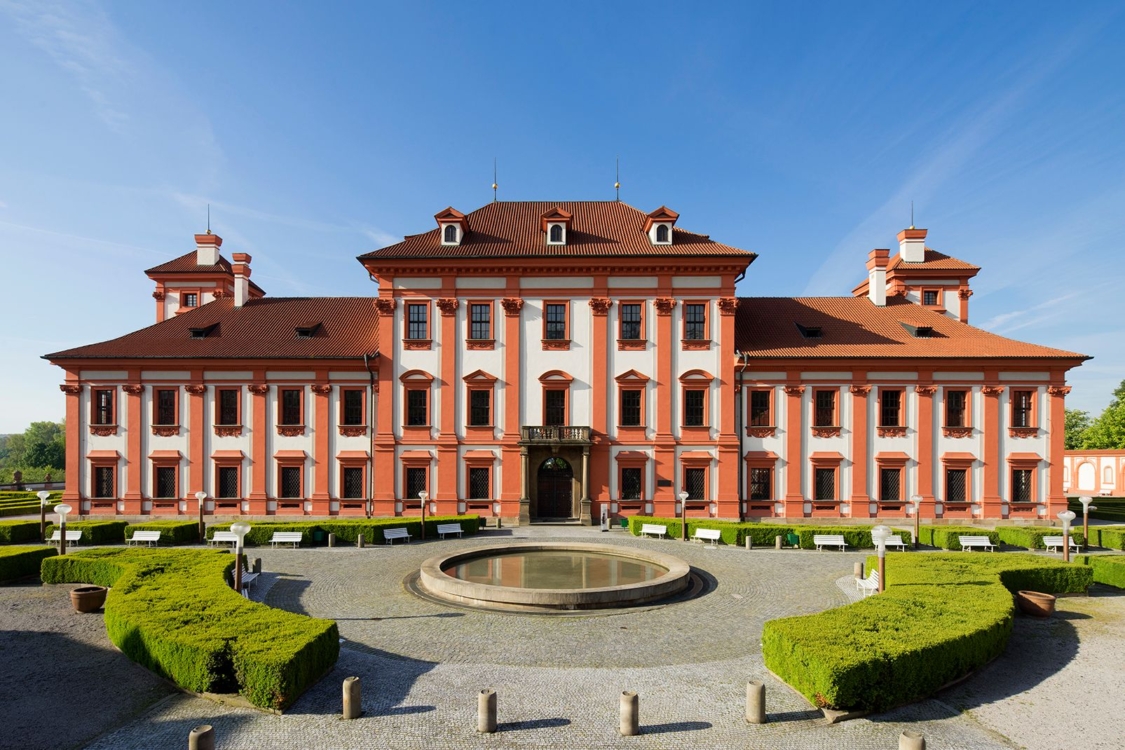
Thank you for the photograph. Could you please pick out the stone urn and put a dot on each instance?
(88, 598)
(1035, 603)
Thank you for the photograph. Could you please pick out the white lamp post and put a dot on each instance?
(62, 510)
(880, 534)
(916, 500)
(240, 529)
(1085, 500)
(424, 497)
(43, 496)
(683, 516)
(1066, 517)
(201, 496)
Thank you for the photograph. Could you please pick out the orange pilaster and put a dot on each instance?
(859, 502)
(197, 452)
(134, 455)
(794, 463)
(445, 494)
(664, 449)
(1056, 499)
(322, 460)
(990, 499)
(598, 489)
(926, 456)
(383, 492)
(259, 404)
(512, 484)
(74, 425)
(728, 499)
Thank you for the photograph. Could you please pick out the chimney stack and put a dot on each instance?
(241, 269)
(207, 249)
(912, 245)
(877, 276)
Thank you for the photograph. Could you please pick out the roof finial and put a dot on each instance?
(911, 214)
(208, 218)
(494, 179)
(617, 182)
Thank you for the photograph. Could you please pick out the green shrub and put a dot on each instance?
(22, 562)
(1107, 508)
(733, 533)
(1110, 537)
(945, 537)
(1108, 569)
(858, 537)
(25, 503)
(1031, 537)
(15, 532)
(941, 617)
(348, 530)
(171, 532)
(95, 532)
(173, 612)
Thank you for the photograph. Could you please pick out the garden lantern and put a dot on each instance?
(880, 534)
(201, 496)
(62, 510)
(682, 510)
(1066, 517)
(240, 529)
(1085, 500)
(43, 497)
(424, 497)
(916, 500)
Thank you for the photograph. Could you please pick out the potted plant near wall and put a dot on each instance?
(87, 599)
(1035, 603)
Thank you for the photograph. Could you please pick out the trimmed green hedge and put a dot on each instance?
(14, 532)
(25, 503)
(1108, 508)
(1110, 537)
(95, 532)
(172, 532)
(945, 537)
(1108, 569)
(22, 562)
(855, 536)
(762, 534)
(941, 617)
(347, 531)
(1031, 537)
(173, 612)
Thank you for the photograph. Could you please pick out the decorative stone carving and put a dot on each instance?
(794, 390)
(632, 344)
(512, 306)
(728, 305)
(133, 389)
(228, 430)
(323, 390)
(925, 390)
(353, 430)
(761, 432)
(890, 431)
(219, 293)
(1023, 432)
(196, 389)
(291, 430)
(480, 344)
(416, 344)
(258, 389)
(561, 345)
(103, 430)
(70, 388)
(964, 293)
(825, 432)
(1058, 390)
(385, 307)
(957, 432)
(158, 294)
(860, 390)
(991, 390)
(166, 430)
(701, 345)
(600, 306)
(664, 305)
(448, 306)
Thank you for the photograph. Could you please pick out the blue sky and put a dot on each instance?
(321, 131)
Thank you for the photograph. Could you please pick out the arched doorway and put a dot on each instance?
(555, 485)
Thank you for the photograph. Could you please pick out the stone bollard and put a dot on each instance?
(755, 702)
(749, 542)
(499, 523)
(777, 542)
(331, 540)
(256, 565)
(486, 712)
(359, 541)
(858, 570)
(353, 697)
(910, 740)
(630, 724)
(201, 738)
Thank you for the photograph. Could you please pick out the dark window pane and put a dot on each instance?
(631, 483)
(228, 407)
(480, 322)
(556, 233)
(955, 486)
(630, 321)
(416, 322)
(929, 297)
(291, 407)
(760, 409)
(450, 233)
(478, 484)
(696, 484)
(661, 232)
(695, 322)
(825, 484)
(1021, 409)
(103, 482)
(556, 322)
(228, 482)
(103, 407)
(631, 408)
(954, 408)
(417, 412)
(353, 483)
(165, 406)
(554, 412)
(825, 409)
(291, 482)
(693, 408)
(890, 408)
(191, 299)
(1021, 486)
(480, 408)
(415, 483)
(353, 407)
(889, 484)
(165, 482)
(761, 484)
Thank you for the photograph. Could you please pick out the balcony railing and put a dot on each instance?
(555, 434)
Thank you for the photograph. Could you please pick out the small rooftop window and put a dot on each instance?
(307, 330)
(203, 332)
(919, 331)
(809, 332)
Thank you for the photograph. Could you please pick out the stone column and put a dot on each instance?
(525, 492)
(584, 514)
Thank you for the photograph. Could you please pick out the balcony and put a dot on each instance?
(554, 435)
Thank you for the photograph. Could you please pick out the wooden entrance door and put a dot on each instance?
(555, 489)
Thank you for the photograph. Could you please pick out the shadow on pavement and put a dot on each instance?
(675, 726)
(512, 726)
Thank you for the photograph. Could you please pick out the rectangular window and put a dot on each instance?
(825, 484)
(103, 406)
(415, 482)
(480, 324)
(556, 322)
(955, 486)
(291, 406)
(631, 408)
(480, 408)
(353, 483)
(631, 483)
(889, 481)
(291, 485)
(479, 484)
(417, 326)
(190, 299)
(630, 321)
(228, 407)
(417, 411)
(890, 408)
(760, 415)
(165, 406)
(825, 409)
(1021, 408)
(695, 484)
(228, 482)
(1021, 485)
(695, 322)
(103, 482)
(761, 484)
(955, 409)
(165, 482)
(353, 407)
(554, 407)
(930, 297)
(694, 412)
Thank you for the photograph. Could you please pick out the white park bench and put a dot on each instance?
(248, 579)
(869, 585)
(223, 537)
(894, 540)
(977, 542)
(287, 537)
(708, 535)
(829, 540)
(656, 529)
(148, 537)
(72, 537)
(448, 528)
(390, 535)
(1053, 543)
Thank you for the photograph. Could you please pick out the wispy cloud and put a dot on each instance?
(1031, 315)
(72, 242)
(3, 205)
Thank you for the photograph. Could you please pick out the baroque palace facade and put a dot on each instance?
(548, 360)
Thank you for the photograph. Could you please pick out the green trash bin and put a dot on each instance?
(792, 539)
(625, 524)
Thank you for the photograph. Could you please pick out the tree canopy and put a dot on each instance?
(1105, 432)
(40, 446)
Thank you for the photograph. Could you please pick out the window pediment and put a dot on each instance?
(480, 376)
(632, 377)
(416, 376)
(555, 376)
(697, 377)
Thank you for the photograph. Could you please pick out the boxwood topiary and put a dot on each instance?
(95, 532)
(1108, 569)
(1031, 537)
(15, 532)
(1110, 537)
(171, 532)
(22, 562)
(348, 530)
(946, 537)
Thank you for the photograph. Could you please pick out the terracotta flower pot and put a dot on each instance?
(1035, 603)
(88, 598)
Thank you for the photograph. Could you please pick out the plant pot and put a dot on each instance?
(88, 598)
(1035, 603)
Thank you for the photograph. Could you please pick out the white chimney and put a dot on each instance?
(207, 249)
(912, 245)
(241, 268)
(877, 276)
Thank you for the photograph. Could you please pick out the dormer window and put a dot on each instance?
(307, 330)
(556, 235)
(555, 223)
(202, 332)
(809, 332)
(658, 225)
(452, 224)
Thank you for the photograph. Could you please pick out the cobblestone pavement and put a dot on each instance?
(558, 679)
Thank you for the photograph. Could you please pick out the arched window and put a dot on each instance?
(1107, 476)
(662, 233)
(556, 233)
(450, 234)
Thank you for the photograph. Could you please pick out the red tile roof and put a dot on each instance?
(766, 327)
(513, 229)
(186, 264)
(933, 261)
(261, 329)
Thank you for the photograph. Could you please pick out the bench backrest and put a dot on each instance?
(709, 533)
(71, 536)
(225, 536)
(652, 528)
(146, 536)
(447, 527)
(828, 538)
(395, 533)
(287, 536)
(973, 540)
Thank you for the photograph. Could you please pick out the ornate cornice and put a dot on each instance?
(70, 388)
(291, 430)
(133, 389)
(485, 344)
(1023, 432)
(385, 307)
(258, 389)
(195, 389)
(825, 432)
(964, 293)
(321, 389)
(353, 430)
(1058, 390)
(512, 306)
(103, 430)
(560, 345)
(890, 431)
(228, 430)
(991, 390)
(794, 390)
(416, 344)
(158, 295)
(761, 432)
(664, 305)
(166, 430)
(219, 293)
(957, 432)
(860, 390)
(600, 306)
(448, 306)
(925, 390)
(728, 305)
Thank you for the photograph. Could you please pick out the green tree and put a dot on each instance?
(1108, 430)
(41, 445)
(1077, 422)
